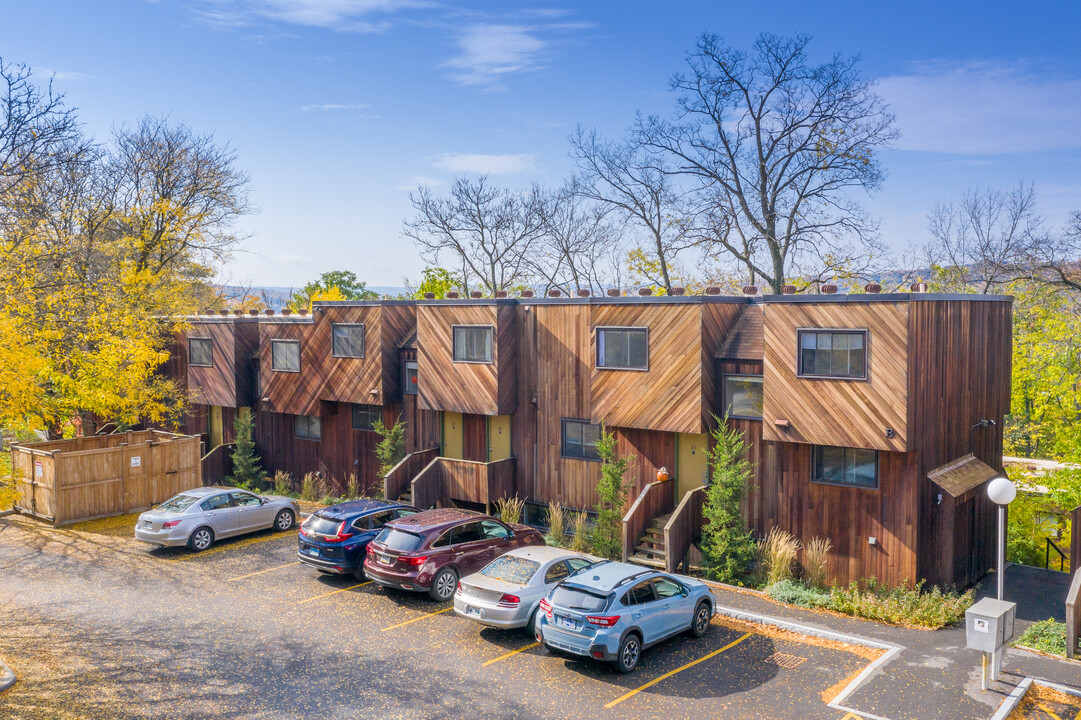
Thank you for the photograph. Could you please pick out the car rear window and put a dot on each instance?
(511, 569)
(399, 540)
(322, 525)
(575, 599)
(178, 504)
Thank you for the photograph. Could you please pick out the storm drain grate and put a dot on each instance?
(785, 660)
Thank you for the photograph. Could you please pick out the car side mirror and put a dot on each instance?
(685, 592)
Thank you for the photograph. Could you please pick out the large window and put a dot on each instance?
(285, 355)
(844, 466)
(347, 340)
(364, 416)
(580, 439)
(307, 427)
(473, 343)
(409, 381)
(200, 352)
(743, 396)
(623, 348)
(833, 353)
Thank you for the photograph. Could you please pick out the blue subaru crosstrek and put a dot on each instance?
(612, 611)
(335, 539)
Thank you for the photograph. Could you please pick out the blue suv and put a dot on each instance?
(612, 611)
(335, 539)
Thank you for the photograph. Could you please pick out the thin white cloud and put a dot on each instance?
(491, 52)
(476, 164)
(61, 75)
(349, 15)
(984, 108)
(331, 107)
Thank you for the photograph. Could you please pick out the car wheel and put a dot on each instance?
(443, 585)
(201, 539)
(359, 573)
(630, 650)
(700, 623)
(284, 520)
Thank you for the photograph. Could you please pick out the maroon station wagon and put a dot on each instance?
(429, 551)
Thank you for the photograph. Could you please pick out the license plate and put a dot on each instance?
(568, 623)
(472, 611)
(147, 523)
(386, 559)
(313, 551)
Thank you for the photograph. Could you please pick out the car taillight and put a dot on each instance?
(170, 524)
(547, 608)
(458, 590)
(371, 550)
(509, 600)
(303, 532)
(417, 560)
(603, 620)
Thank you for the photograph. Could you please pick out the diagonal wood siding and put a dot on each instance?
(844, 413)
(287, 392)
(215, 385)
(669, 396)
(476, 388)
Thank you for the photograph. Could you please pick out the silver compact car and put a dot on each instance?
(506, 593)
(198, 517)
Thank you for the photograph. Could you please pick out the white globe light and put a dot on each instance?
(1001, 491)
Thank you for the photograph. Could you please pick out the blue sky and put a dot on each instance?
(338, 108)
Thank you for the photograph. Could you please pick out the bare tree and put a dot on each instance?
(775, 144)
(490, 230)
(640, 188)
(178, 194)
(574, 250)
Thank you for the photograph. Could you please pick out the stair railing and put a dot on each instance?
(654, 500)
(683, 528)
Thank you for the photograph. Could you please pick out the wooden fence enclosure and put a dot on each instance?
(67, 481)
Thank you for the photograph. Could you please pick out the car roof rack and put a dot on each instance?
(591, 566)
(631, 578)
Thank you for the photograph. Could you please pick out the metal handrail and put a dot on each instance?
(1047, 555)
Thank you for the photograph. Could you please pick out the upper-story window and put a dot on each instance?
(285, 355)
(347, 340)
(623, 348)
(364, 416)
(409, 380)
(833, 353)
(200, 352)
(473, 343)
(844, 466)
(307, 427)
(580, 439)
(743, 396)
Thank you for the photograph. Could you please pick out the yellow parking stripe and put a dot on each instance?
(512, 652)
(427, 615)
(335, 592)
(244, 577)
(670, 673)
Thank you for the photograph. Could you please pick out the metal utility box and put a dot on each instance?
(989, 624)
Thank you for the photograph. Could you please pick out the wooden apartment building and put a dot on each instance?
(873, 419)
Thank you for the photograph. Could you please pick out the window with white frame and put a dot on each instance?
(200, 352)
(743, 396)
(580, 439)
(347, 340)
(833, 354)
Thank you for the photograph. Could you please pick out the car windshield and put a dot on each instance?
(399, 540)
(322, 525)
(576, 599)
(178, 504)
(511, 569)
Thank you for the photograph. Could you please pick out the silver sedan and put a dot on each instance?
(507, 592)
(200, 516)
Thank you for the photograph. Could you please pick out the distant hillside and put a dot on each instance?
(277, 297)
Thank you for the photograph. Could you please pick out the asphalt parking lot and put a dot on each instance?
(97, 625)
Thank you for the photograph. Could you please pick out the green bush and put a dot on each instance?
(902, 605)
(727, 544)
(1046, 636)
(796, 593)
(606, 539)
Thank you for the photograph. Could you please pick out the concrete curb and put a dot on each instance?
(1010, 703)
(5, 513)
(7, 677)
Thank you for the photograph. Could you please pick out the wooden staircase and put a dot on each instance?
(650, 550)
(406, 497)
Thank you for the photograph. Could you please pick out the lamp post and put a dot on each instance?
(1002, 492)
